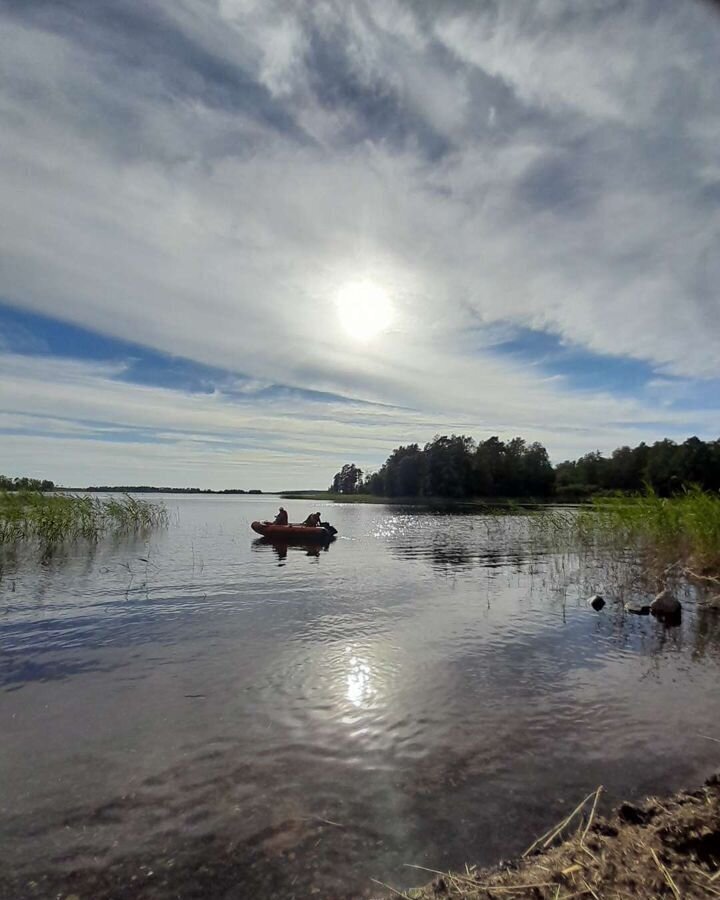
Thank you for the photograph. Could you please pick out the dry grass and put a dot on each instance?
(669, 849)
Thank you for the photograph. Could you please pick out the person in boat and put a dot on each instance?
(313, 520)
(281, 518)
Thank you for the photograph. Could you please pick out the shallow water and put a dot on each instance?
(431, 689)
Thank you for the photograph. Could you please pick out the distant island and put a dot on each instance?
(149, 489)
(36, 484)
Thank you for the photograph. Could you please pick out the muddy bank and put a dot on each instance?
(664, 847)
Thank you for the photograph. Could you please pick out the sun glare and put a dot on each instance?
(364, 309)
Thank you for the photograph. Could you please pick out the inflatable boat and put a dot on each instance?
(294, 532)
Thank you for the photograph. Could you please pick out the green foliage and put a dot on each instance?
(667, 467)
(681, 529)
(349, 480)
(50, 519)
(456, 467)
(25, 484)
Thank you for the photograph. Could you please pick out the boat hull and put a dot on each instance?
(292, 532)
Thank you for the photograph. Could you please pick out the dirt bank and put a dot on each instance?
(667, 847)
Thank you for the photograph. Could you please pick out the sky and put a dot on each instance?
(244, 242)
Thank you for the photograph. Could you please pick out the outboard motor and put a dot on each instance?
(329, 528)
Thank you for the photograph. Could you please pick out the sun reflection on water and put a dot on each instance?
(359, 680)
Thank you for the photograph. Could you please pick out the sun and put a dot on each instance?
(364, 309)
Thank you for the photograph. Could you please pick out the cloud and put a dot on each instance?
(202, 179)
(76, 422)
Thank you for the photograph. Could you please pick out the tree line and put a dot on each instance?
(150, 489)
(665, 466)
(25, 484)
(456, 467)
(36, 484)
(459, 467)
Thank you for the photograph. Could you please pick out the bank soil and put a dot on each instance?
(666, 847)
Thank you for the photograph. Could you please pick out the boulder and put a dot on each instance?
(666, 605)
(638, 609)
(596, 601)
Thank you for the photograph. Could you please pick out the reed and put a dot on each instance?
(53, 518)
(684, 529)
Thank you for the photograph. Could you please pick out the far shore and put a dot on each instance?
(470, 502)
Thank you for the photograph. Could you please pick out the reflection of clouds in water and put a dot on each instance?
(371, 691)
(359, 680)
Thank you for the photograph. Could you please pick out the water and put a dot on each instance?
(211, 716)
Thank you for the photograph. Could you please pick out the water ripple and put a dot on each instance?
(429, 688)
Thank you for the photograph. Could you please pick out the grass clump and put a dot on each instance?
(53, 518)
(684, 529)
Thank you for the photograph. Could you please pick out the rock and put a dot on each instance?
(669, 621)
(638, 609)
(596, 601)
(666, 605)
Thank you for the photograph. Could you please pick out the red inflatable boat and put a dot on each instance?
(293, 532)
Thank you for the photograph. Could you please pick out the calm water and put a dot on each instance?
(222, 716)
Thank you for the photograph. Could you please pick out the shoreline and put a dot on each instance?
(666, 847)
(446, 502)
(661, 847)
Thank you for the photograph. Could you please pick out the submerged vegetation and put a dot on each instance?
(52, 518)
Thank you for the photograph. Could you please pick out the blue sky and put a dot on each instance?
(245, 242)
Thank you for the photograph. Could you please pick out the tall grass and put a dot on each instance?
(53, 518)
(684, 529)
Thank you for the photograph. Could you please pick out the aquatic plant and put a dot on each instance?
(683, 530)
(52, 518)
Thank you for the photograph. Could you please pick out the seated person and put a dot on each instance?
(313, 520)
(281, 518)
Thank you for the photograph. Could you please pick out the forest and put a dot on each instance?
(25, 484)
(459, 467)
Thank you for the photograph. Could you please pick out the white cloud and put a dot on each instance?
(537, 165)
(88, 421)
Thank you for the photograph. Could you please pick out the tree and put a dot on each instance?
(404, 472)
(538, 474)
(663, 470)
(25, 484)
(448, 466)
(625, 469)
(348, 480)
(491, 467)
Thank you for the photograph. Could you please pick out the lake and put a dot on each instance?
(199, 714)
